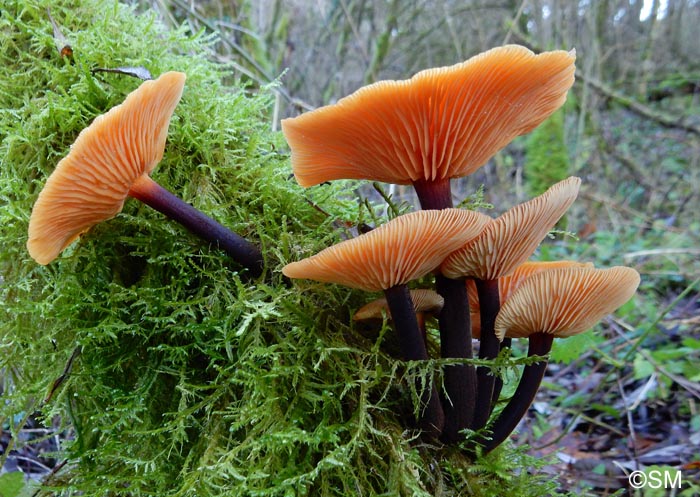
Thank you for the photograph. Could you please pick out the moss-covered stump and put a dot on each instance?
(191, 378)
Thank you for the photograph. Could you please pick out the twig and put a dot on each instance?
(647, 220)
(248, 58)
(355, 32)
(637, 107)
(630, 421)
(514, 22)
(53, 473)
(66, 371)
(660, 251)
(689, 386)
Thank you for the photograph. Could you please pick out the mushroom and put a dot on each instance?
(442, 123)
(503, 245)
(386, 258)
(556, 303)
(507, 285)
(425, 302)
(110, 160)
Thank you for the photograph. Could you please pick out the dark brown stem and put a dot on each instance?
(456, 341)
(413, 348)
(488, 349)
(539, 345)
(434, 194)
(157, 197)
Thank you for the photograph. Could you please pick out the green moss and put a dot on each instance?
(547, 159)
(192, 380)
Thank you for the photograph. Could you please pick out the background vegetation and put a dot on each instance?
(180, 378)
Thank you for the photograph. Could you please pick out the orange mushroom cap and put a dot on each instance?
(405, 248)
(509, 283)
(423, 301)
(442, 123)
(565, 301)
(510, 239)
(90, 184)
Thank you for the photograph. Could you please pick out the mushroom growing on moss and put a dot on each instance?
(556, 303)
(442, 123)
(502, 246)
(111, 160)
(385, 259)
(506, 286)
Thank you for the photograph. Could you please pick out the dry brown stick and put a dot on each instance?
(617, 206)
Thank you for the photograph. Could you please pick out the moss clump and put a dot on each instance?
(192, 380)
(547, 159)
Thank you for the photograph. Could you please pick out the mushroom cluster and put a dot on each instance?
(441, 124)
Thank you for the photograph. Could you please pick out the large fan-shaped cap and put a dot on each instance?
(441, 123)
(423, 301)
(510, 239)
(405, 248)
(90, 184)
(565, 301)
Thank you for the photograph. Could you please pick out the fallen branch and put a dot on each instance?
(637, 107)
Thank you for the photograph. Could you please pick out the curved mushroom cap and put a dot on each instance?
(442, 123)
(565, 301)
(423, 301)
(90, 184)
(508, 284)
(510, 239)
(405, 248)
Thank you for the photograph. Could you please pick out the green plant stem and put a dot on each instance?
(434, 194)
(413, 348)
(456, 341)
(157, 197)
(489, 305)
(539, 345)
(498, 382)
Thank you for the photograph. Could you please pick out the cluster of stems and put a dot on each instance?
(469, 392)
